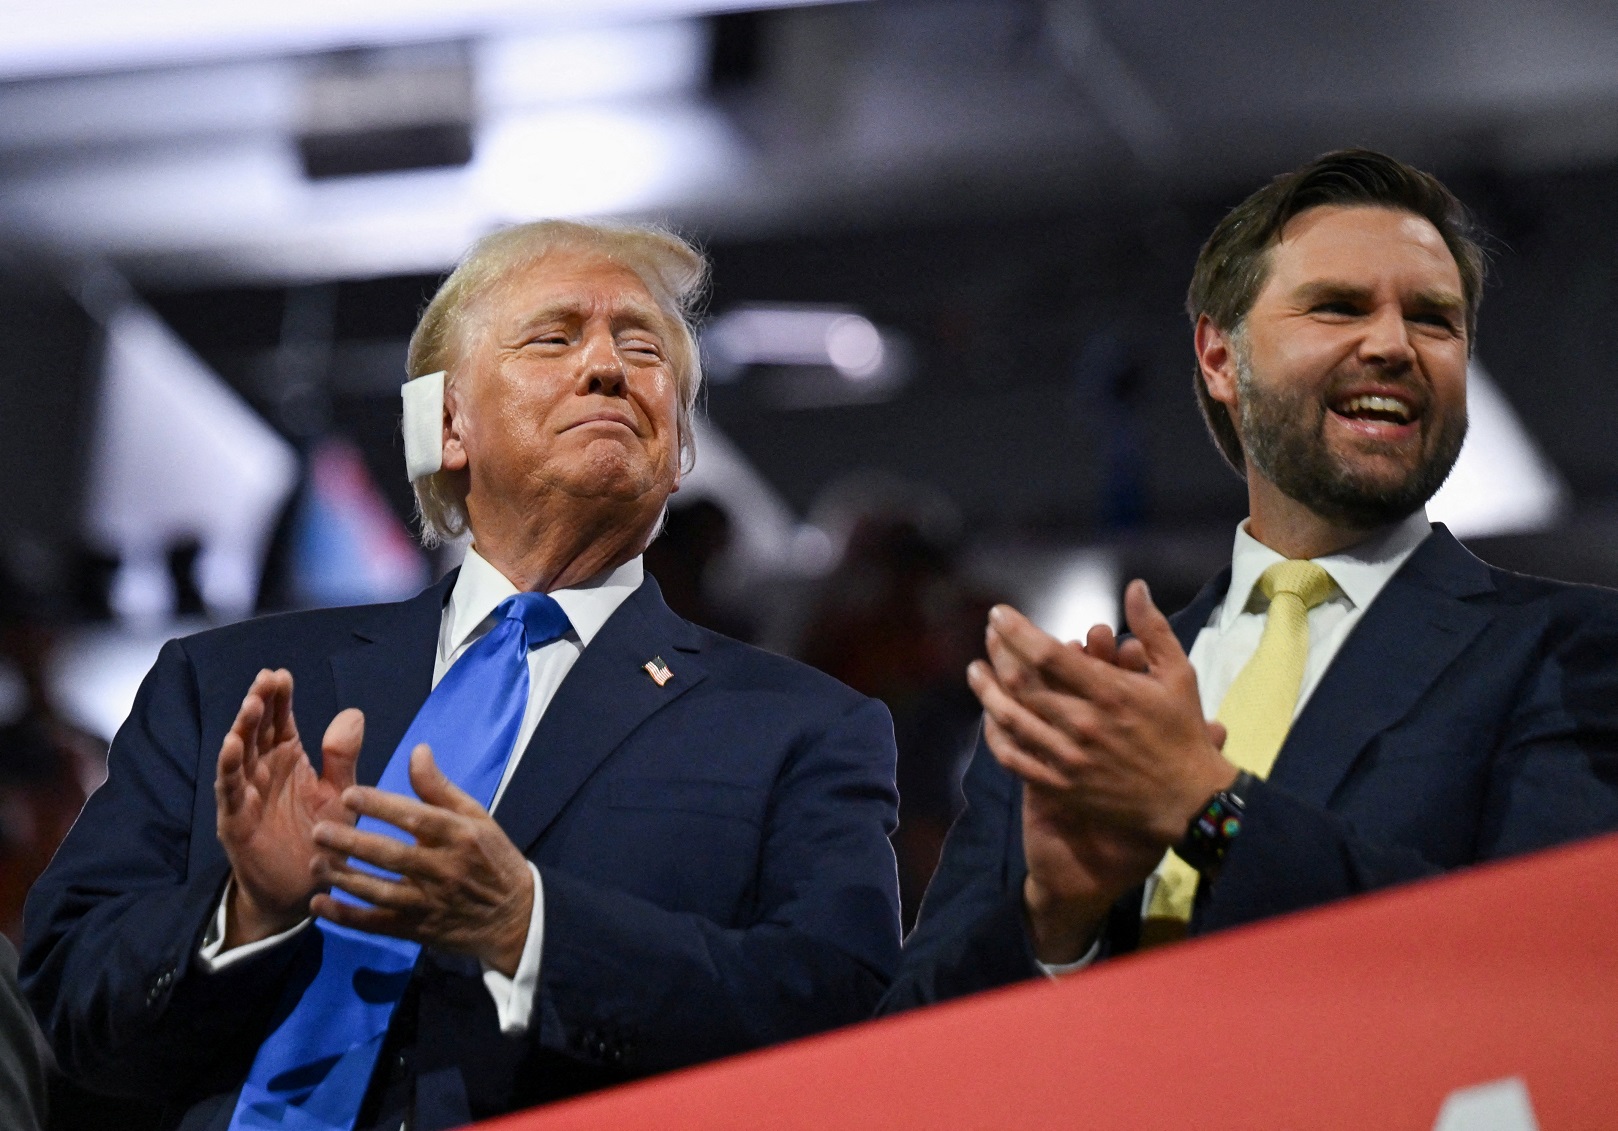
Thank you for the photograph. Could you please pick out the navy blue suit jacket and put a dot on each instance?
(714, 854)
(1471, 714)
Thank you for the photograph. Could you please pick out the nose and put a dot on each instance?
(601, 366)
(1387, 338)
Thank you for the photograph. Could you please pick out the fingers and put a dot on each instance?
(264, 689)
(230, 784)
(424, 821)
(435, 789)
(1151, 627)
(392, 891)
(1132, 655)
(1018, 761)
(376, 849)
(280, 711)
(340, 748)
(1217, 734)
(1101, 644)
(1032, 745)
(239, 748)
(1014, 640)
(376, 920)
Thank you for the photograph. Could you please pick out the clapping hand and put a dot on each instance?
(461, 886)
(1114, 753)
(269, 799)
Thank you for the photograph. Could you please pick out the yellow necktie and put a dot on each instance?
(1257, 713)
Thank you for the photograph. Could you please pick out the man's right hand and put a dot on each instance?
(1079, 862)
(1076, 868)
(269, 799)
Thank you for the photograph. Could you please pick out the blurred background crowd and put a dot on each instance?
(946, 357)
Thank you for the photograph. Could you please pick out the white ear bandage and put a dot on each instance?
(423, 424)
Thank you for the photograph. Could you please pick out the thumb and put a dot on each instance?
(434, 788)
(340, 747)
(1151, 627)
(1217, 734)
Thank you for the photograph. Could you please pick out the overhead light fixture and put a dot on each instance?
(385, 110)
(824, 354)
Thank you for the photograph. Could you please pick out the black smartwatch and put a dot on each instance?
(1209, 835)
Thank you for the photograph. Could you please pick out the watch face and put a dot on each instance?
(1209, 835)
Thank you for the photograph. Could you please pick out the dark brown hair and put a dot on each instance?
(1235, 262)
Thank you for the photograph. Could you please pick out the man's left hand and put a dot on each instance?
(1125, 742)
(462, 886)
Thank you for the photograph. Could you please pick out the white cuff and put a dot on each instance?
(1057, 969)
(212, 955)
(514, 996)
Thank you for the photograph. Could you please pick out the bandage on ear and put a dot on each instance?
(423, 424)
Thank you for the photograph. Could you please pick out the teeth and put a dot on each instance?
(1387, 406)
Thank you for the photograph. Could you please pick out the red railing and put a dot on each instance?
(1368, 1014)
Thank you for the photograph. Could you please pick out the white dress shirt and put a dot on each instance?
(467, 616)
(1229, 639)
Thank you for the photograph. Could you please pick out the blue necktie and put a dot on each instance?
(312, 1072)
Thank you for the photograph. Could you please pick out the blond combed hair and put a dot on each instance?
(673, 271)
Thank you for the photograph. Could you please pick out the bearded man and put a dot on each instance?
(1355, 702)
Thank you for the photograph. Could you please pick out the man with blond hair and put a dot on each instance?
(554, 836)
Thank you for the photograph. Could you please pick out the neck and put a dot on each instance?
(1290, 528)
(564, 546)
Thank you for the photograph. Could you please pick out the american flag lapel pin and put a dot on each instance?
(657, 670)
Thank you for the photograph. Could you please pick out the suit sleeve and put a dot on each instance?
(22, 1077)
(1552, 777)
(627, 984)
(115, 921)
(970, 934)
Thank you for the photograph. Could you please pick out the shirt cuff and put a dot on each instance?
(1057, 969)
(514, 996)
(212, 955)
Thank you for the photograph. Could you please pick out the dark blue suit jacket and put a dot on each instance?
(714, 854)
(1471, 714)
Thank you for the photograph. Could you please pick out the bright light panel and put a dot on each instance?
(1502, 483)
(1082, 592)
(45, 37)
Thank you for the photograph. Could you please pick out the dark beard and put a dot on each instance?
(1289, 449)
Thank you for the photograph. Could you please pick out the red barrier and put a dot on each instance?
(1366, 1014)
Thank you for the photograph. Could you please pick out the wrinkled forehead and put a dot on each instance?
(1363, 241)
(563, 282)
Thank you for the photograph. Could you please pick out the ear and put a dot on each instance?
(454, 424)
(1216, 356)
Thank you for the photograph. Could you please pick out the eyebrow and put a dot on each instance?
(1328, 290)
(632, 312)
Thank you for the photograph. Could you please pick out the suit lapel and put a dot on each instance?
(389, 671)
(606, 696)
(1194, 617)
(1414, 629)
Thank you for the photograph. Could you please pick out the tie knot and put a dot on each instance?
(542, 619)
(1305, 580)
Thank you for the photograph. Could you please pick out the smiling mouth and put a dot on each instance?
(1376, 408)
(622, 423)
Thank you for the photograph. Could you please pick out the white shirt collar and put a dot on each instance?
(480, 588)
(1359, 571)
